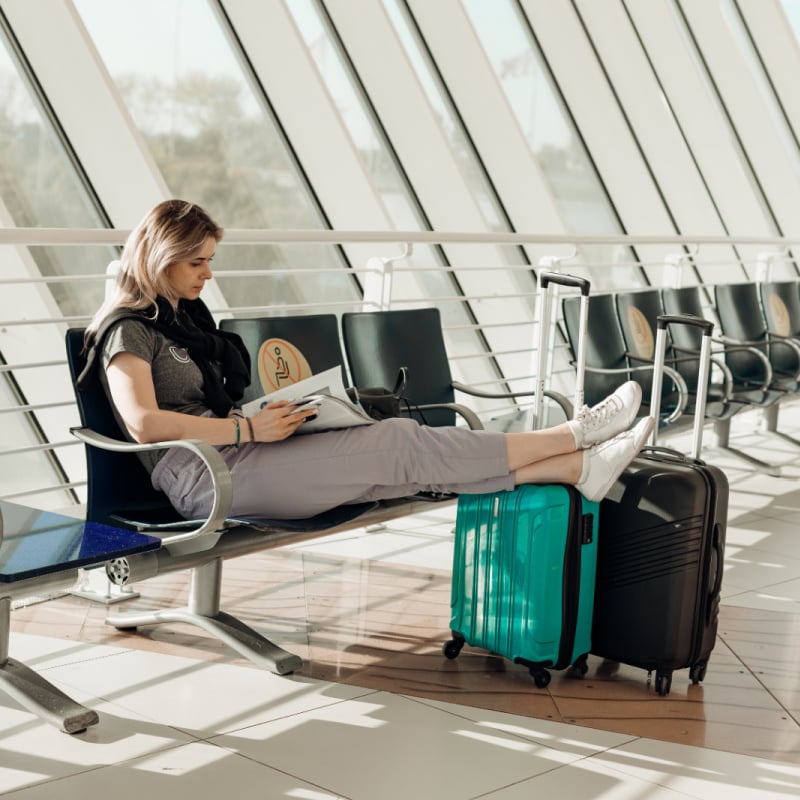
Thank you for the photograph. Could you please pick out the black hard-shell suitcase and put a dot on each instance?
(661, 549)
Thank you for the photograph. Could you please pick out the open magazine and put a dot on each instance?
(326, 393)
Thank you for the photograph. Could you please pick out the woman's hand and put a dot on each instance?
(279, 420)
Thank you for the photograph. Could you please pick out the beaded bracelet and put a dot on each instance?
(238, 432)
(250, 426)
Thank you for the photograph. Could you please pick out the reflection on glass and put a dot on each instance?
(213, 138)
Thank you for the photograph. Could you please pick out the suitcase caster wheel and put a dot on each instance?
(663, 684)
(452, 648)
(541, 677)
(697, 673)
(581, 666)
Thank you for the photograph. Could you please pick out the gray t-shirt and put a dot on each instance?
(178, 381)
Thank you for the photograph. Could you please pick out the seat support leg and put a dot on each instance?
(203, 611)
(722, 433)
(770, 416)
(35, 693)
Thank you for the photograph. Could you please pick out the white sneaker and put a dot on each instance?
(609, 417)
(605, 462)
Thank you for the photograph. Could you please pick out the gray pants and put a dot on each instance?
(307, 474)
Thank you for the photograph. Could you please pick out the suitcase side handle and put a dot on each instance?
(716, 544)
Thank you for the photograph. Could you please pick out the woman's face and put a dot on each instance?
(187, 278)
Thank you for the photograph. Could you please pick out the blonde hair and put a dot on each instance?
(173, 231)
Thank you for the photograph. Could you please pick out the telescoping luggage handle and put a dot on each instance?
(545, 279)
(704, 370)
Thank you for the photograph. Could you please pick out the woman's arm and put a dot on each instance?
(130, 381)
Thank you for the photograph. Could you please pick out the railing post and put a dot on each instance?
(378, 280)
(675, 267)
(765, 263)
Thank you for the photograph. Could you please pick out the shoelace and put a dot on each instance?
(591, 418)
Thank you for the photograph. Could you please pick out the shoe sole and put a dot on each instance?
(642, 442)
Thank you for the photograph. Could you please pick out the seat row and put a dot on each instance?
(282, 349)
(756, 356)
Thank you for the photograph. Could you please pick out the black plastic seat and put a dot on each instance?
(742, 321)
(637, 313)
(750, 387)
(747, 370)
(284, 350)
(609, 363)
(378, 343)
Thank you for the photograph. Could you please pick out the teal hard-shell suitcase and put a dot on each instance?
(523, 577)
(524, 561)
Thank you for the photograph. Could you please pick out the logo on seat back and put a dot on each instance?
(280, 364)
(779, 315)
(641, 333)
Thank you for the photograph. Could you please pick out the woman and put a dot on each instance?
(171, 374)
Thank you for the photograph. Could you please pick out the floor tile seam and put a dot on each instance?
(754, 548)
(521, 737)
(31, 663)
(790, 714)
(772, 612)
(766, 586)
(325, 704)
(233, 751)
(96, 768)
(625, 776)
(488, 795)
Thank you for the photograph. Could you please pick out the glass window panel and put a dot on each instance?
(529, 89)
(39, 187)
(214, 139)
(375, 153)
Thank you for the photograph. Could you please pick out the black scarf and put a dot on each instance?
(193, 327)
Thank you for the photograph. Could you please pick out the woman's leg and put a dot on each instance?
(592, 471)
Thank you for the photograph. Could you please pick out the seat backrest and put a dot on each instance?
(780, 302)
(684, 300)
(605, 346)
(378, 343)
(741, 317)
(637, 313)
(284, 350)
(118, 483)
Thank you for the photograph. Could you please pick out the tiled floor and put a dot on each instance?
(377, 711)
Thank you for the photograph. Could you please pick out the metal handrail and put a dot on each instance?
(687, 248)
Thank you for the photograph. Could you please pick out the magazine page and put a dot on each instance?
(327, 393)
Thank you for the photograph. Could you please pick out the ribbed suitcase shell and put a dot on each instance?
(659, 569)
(523, 576)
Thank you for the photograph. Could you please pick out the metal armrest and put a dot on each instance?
(727, 375)
(735, 346)
(215, 523)
(792, 344)
(675, 377)
(560, 399)
(468, 414)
